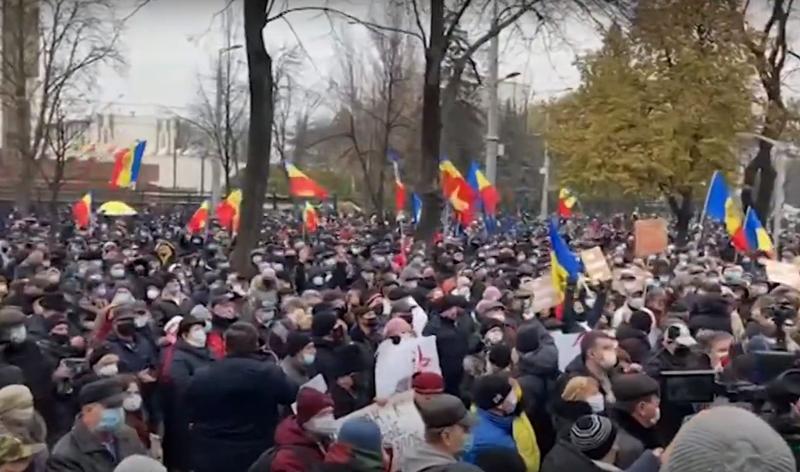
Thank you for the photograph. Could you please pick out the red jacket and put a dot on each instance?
(216, 344)
(297, 452)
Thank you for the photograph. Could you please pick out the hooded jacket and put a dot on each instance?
(423, 457)
(538, 372)
(297, 451)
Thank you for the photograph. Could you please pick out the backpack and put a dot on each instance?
(265, 460)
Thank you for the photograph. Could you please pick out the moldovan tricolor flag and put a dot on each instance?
(301, 185)
(310, 218)
(721, 207)
(566, 201)
(82, 211)
(757, 238)
(457, 191)
(127, 163)
(197, 223)
(228, 211)
(487, 192)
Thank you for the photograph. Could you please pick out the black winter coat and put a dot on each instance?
(634, 342)
(452, 346)
(233, 412)
(712, 312)
(538, 372)
(564, 457)
(325, 362)
(181, 365)
(37, 372)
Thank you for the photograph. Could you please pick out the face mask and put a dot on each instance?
(117, 273)
(264, 317)
(17, 334)
(197, 338)
(494, 336)
(109, 370)
(321, 425)
(411, 284)
(597, 402)
(656, 417)
(133, 402)
(318, 281)
(111, 419)
(636, 303)
(123, 298)
(308, 359)
(100, 291)
(152, 294)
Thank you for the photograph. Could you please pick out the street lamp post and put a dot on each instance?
(215, 163)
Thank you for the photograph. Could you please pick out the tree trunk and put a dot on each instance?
(683, 212)
(759, 181)
(259, 135)
(428, 180)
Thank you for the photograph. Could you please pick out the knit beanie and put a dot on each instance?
(137, 463)
(15, 397)
(361, 433)
(310, 402)
(322, 323)
(500, 355)
(427, 383)
(641, 321)
(527, 339)
(296, 341)
(593, 435)
(395, 327)
(728, 439)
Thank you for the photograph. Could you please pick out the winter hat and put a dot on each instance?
(730, 439)
(171, 327)
(633, 387)
(396, 327)
(310, 403)
(187, 322)
(490, 391)
(15, 397)
(137, 463)
(296, 341)
(427, 383)
(593, 435)
(527, 339)
(492, 293)
(322, 323)
(361, 433)
(641, 321)
(102, 353)
(54, 320)
(500, 355)
(200, 312)
(10, 375)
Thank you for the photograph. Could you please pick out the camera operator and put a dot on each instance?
(783, 395)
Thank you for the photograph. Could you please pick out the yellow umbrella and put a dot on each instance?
(116, 208)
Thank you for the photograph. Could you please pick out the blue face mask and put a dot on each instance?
(111, 419)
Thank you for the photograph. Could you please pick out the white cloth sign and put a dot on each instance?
(399, 420)
(568, 346)
(395, 364)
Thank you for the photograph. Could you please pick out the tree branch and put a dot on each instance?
(354, 19)
(418, 20)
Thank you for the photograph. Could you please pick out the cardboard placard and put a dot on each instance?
(545, 295)
(650, 237)
(783, 273)
(594, 261)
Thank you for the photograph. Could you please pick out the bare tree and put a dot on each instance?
(60, 43)
(66, 131)
(221, 107)
(770, 52)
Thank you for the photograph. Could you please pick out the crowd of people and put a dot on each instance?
(133, 346)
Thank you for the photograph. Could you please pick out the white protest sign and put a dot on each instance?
(395, 364)
(568, 345)
(596, 266)
(399, 420)
(544, 294)
(783, 273)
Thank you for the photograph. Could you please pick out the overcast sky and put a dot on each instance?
(169, 42)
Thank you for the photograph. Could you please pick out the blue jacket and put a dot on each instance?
(491, 432)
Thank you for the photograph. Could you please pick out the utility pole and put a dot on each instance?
(493, 114)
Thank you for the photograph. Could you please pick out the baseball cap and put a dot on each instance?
(444, 410)
(679, 333)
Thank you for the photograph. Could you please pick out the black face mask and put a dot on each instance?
(60, 338)
(126, 328)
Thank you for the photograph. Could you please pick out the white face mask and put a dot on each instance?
(108, 370)
(141, 321)
(133, 402)
(123, 298)
(197, 337)
(597, 402)
(637, 303)
(152, 294)
(117, 273)
(494, 336)
(323, 425)
(17, 334)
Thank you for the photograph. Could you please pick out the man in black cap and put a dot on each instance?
(452, 343)
(223, 315)
(99, 439)
(137, 355)
(298, 365)
(234, 405)
(328, 333)
(447, 426)
(636, 412)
